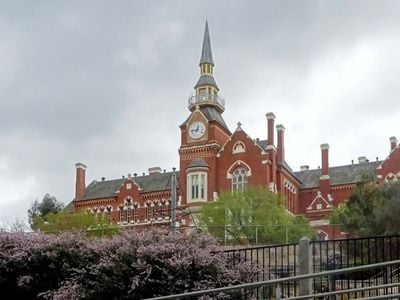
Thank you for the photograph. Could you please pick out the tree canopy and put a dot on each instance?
(254, 216)
(91, 224)
(41, 209)
(371, 210)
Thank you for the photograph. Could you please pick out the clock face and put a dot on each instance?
(197, 130)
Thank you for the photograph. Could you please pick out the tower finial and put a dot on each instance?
(206, 53)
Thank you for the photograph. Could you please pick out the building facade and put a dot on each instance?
(213, 159)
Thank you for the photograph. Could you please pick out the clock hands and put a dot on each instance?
(195, 130)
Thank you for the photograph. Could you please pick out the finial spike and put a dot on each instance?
(206, 53)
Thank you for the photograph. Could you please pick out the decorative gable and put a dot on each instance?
(320, 203)
(239, 147)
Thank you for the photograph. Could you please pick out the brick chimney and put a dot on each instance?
(272, 181)
(271, 118)
(324, 180)
(80, 181)
(281, 143)
(393, 143)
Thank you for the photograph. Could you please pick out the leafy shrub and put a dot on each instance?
(131, 265)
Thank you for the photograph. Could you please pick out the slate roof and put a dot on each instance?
(148, 183)
(206, 53)
(198, 162)
(212, 115)
(206, 80)
(339, 175)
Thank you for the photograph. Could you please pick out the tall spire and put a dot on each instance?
(206, 53)
(206, 89)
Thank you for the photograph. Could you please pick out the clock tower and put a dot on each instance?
(202, 134)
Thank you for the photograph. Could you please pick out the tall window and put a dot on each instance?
(128, 213)
(108, 213)
(149, 211)
(163, 209)
(121, 214)
(136, 213)
(239, 180)
(197, 186)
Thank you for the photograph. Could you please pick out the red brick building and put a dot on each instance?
(214, 159)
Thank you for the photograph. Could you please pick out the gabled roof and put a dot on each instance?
(206, 53)
(147, 183)
(338, 175)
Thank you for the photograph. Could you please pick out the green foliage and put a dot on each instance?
(64, 221)
(253, 216)
(41, 209)
(371, 210)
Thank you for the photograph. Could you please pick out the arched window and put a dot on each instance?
(239, 179)
(108, 212)
(121, 214)
(149, 211)
(136, 213)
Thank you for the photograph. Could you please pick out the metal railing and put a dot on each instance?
(252, 290)
(274, 262)
(206, 98)
(339, 254)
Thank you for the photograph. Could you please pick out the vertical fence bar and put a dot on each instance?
(305, 266)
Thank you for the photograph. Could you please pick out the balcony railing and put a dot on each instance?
(206, 98)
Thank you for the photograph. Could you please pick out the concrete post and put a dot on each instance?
(305, 266)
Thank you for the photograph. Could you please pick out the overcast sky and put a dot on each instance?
(106, 83)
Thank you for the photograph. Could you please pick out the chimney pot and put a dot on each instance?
(362, 159)
(304, 168)
(103, 178)
(280, 127)
(270, 115)
(154, 170)
(393, 142)
(134, 174)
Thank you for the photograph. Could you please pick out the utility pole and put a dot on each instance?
(173, 200)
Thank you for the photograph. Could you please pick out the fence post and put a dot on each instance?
(305, 266)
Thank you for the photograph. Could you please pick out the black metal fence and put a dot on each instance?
(274, 262)
(338, 254)
(281, 261)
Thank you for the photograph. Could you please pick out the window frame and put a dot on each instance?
(197, 186)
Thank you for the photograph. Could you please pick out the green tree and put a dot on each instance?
(92, 224)
(370, 210)
(41, 209)
(254, 216)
